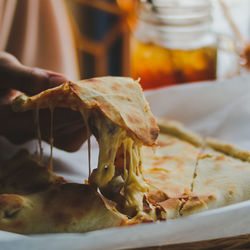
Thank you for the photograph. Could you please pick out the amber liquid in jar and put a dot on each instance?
(173, 43)
(158, 66)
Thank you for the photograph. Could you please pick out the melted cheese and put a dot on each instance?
(85, 119)
(134, 184)
(51, 139)
(39, 138)
(110, 138)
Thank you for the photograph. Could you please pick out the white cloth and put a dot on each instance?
(39, 34)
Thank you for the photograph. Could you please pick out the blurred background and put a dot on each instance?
(100, 31)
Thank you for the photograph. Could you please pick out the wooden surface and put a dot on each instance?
(239, 242)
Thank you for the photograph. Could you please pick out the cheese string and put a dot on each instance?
(37, 125)
(51, 139)
(125, 161)
(88, 139)
(89, 152)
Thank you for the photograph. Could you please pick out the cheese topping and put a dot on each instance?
(110, 138)
(38, 131)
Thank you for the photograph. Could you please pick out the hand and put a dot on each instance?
(69, 131)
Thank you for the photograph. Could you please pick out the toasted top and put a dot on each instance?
(120, 99)
(169, 172)
(190, 173)
(221, 180)
(171, 167)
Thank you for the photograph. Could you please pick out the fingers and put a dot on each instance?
(36, 80)
(69, 131)
(70, 142)
(16, 127)
(14, 75)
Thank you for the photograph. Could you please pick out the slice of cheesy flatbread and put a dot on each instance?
(169, 169)
(118, 115)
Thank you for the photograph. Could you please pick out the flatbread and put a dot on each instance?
(223, 177)
(116, 112)
(45, 203)
(189, 173)
(169, 172)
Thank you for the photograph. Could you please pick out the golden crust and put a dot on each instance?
(169, 172)
(196, 204)
(177, 129)
(228, 149)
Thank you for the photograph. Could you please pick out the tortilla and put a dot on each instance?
(45, 203)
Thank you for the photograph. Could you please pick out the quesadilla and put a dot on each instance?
(185, 174)
(138, 179)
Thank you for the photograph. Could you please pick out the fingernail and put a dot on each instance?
(56, 80)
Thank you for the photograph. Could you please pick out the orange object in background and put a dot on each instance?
(158, 66)
(129, 8)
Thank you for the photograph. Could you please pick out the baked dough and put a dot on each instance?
(34, 200)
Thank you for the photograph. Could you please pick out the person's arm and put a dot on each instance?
(69, 132)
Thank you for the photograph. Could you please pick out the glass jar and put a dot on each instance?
(173, 43)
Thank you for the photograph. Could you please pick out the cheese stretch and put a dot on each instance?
(110, 138)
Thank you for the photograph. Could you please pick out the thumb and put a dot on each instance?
(14, 75)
